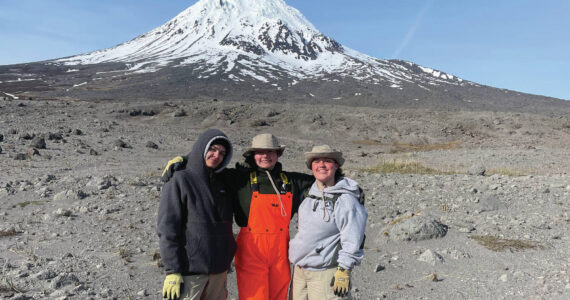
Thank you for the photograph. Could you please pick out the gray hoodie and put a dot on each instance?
(333, 236)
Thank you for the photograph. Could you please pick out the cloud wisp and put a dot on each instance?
(412, 31)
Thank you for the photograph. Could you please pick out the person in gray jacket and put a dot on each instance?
(195, 223)
(331, 224)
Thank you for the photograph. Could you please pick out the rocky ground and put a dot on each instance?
(462, 205)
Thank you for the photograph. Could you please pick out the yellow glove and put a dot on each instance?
(172, 286)
(175, 164)
(341, 282)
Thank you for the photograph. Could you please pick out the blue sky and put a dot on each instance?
(520, 45)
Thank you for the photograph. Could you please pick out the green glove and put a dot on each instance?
(341, 282)
(172, 286)
(173, 165)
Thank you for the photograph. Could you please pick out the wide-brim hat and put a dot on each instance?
(323, 151)
(264, 141)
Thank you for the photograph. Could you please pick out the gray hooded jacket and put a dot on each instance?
(331, 236)
(195, 215)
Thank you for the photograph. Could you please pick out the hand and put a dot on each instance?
(173, 165)
(172, 286)
(243, 164)
(341, 282)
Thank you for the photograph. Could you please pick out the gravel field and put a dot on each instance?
(462, 205)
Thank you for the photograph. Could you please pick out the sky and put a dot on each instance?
(519, 45)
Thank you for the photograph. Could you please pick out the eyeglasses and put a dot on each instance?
(221, 150)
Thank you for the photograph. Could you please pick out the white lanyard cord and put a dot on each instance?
(283, 212)
(326, 213)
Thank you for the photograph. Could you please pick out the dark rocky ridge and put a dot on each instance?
(111, 81)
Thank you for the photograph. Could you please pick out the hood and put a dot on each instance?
(196, 160)
(343, 186)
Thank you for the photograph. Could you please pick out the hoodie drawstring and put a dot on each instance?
(283, 212)
(326, 213)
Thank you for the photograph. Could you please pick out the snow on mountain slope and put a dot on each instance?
(264, 40)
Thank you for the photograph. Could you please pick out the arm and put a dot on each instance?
(351, 221)
(300, 182)
(170, 227)
(176, 164)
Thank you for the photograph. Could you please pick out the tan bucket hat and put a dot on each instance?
(264, 141)
(323, 151)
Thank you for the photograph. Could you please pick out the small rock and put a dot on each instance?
(0, 150)
(77, 132)
(433, 277)
(39, 143)
(32, 152)
(417, 228)
(504, 278)
(60, 212)
(179, 113)
(64, 280)
(93, 152)
(152, 145)
(26, 136)
(431, 257)
(378, 268)
(1, 137)
(81, 195)
(45, 274)
(477, 170)
(20, 156)
(48, 178)
(55, 136)
(121, 144)
(141, 293)
(60, 196)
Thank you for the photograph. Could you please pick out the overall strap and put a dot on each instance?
(253, 181)
(286, 183)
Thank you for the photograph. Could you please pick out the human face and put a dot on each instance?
(266, 159)
(324, 170)
(215, 156)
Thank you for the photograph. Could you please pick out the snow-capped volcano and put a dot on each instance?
(250, 50)
(264, 40)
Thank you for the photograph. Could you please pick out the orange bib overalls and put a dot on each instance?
(261, 260)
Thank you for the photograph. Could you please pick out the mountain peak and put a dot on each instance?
(263, 40)
(255, 27)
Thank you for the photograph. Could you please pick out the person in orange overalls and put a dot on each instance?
(266, 203)
(267, 199)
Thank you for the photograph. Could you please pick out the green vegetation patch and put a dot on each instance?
(26, 203)
(407, 147)
(506, 172)
(411, 147)
(499, 244)
(404, 167)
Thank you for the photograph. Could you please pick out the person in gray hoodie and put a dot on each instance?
(195, 223)
(331, 225)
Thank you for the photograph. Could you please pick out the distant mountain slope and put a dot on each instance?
(260, 50)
